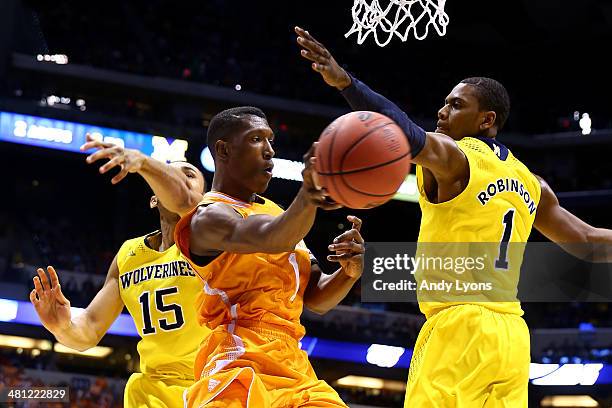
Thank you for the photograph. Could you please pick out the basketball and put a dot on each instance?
(362, 159)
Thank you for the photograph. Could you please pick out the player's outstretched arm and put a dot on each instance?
(218, 227)
(84, 330)
(434, 151)
(169, 184)
(324, 292)
(569, 231)
(358, 95)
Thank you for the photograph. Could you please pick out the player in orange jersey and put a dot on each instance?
(258, 274)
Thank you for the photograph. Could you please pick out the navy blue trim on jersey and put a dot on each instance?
(500, 150)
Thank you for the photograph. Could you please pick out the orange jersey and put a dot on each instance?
(253, 288)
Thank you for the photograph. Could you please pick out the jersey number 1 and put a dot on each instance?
(144, 300)
(502, 260)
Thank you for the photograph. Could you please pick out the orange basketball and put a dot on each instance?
(362, 159)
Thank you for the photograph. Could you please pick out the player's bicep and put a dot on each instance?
(209, 225)
(218, 227)
(106, 306)
(443, 158)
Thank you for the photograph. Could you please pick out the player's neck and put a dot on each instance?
(232, 190)
(167, 234)
(167, 222)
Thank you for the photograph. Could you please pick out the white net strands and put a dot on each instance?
(399, 17)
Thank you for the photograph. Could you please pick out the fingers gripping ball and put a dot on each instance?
(362, 159)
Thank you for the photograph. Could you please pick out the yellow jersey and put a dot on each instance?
(159, 290)
(497, 207)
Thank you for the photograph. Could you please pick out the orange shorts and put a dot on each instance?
(256, 367)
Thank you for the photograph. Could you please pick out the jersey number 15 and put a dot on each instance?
(161, 307)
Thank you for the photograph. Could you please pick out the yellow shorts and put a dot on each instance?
(257, 367)
(142, 391)
(470, 356)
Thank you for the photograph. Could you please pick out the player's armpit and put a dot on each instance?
(444, 158)
(569, 231)
(311, 301)
(324, 292)
(448, 165)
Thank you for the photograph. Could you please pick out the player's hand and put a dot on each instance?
(349, 248)
(50, 303)
(310, 186)
(322, 60)
(128, 160)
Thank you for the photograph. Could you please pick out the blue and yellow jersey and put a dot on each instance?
(497, 207)
(160, 290)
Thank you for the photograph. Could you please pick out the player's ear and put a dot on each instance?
(488, 120)
(222, 148)
(153, 202)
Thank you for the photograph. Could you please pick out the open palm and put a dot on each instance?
(51, 305)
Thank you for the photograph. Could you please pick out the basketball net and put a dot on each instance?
(398, 18)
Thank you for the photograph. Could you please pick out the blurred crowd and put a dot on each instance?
(205, 43)
(209, 42)
(190, 41)
(37, 240)
(83, 391)
(567, 315)
(574, 352)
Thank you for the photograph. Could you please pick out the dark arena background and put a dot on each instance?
(153, 73)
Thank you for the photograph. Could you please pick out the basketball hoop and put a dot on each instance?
(398, 18)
